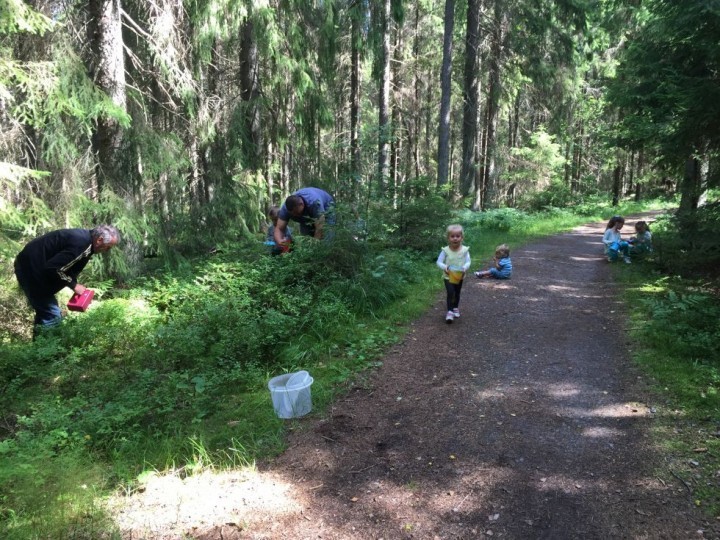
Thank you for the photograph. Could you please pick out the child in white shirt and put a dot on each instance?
(614, 244)
(454, 261)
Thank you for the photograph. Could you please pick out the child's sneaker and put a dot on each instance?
(627, 260)
(478, 274)
(449, 317)
(456, 313)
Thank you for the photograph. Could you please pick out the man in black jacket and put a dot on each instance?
(53, 261)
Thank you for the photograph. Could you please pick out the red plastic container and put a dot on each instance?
(80, 302)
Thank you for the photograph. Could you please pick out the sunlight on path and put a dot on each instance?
(171, 507)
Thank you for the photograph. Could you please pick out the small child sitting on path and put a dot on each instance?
(454, 261)
(503, 265)
(641, 243)
(614, 244)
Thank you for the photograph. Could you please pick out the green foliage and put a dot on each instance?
(16, 16)
(556, 195)
(689, 245)
(678, 333)
(420, 223)
(666, 81)
(538, 164)
(695, 322)
(23, 220)
(499, 219)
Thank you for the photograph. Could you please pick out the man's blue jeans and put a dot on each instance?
(47, 310)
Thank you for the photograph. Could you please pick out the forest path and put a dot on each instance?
(524, 419)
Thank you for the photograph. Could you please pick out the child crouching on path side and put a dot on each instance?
(502, 262)
(614, 244)
(641, 243)
(454, 261)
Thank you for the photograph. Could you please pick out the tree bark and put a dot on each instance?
(638, 184)
(493, 105)
(617, 185)
(691, 187)
(249, 93)
(384, 101)
(107, 69)
(396, 140)
(417, 118)
(355, 100)
(471, 92)
(445, 85)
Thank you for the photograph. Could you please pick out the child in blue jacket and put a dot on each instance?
(503, 265)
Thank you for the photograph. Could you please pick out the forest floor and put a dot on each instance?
(524, 419)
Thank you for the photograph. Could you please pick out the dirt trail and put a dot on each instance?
(524, 419)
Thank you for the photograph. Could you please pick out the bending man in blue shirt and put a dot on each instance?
(311, 207)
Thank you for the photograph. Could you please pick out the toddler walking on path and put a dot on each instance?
(454, 261)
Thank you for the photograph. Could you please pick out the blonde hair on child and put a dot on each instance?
(502, 251)
(455, 227)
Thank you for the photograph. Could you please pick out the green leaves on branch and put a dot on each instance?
(16, 16)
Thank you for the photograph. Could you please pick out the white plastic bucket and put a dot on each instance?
(298, 380)
(291, 394)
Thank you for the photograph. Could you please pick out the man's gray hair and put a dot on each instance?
(107, 232)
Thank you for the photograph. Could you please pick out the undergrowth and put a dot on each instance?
(674, 301)
(170, 371)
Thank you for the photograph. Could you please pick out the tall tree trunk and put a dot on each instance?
(514, 124)
(493, 105)
(691, 187)
(443, 152)
(107, 69)
(567, 168)
(638, 184)
(417, 118)
(713, 176)
(479, 199)
(384, 105)
(577, 160)
(355, 15)
(249, 93)
(397, 104)
(428, 107)
(205, 152)
(471, 93)
(617, 185)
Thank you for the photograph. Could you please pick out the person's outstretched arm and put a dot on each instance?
(319, 224)
(280, 229)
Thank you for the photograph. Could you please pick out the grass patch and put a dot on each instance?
(675, 325)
